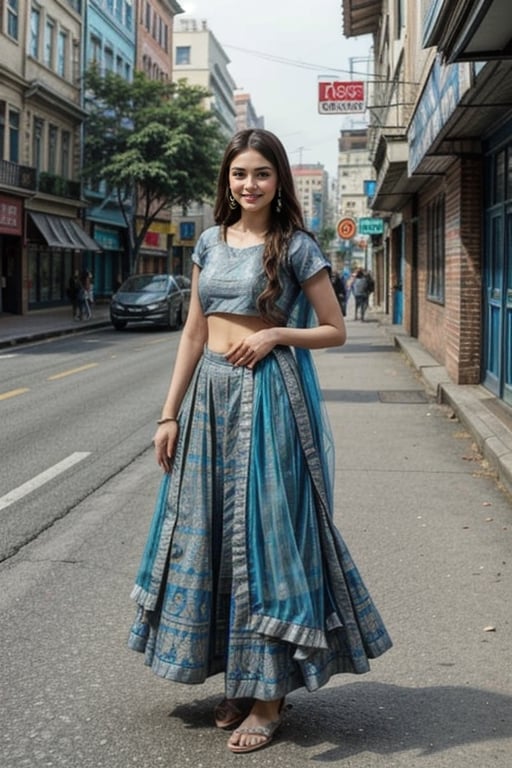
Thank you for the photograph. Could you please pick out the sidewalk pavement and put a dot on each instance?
(43, 324)
(486, 417)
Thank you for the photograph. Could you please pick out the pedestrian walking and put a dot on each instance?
(74, 292)
(243, 572)
(85, 307)
(361, 293)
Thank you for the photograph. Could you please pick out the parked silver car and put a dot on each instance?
(157, 299)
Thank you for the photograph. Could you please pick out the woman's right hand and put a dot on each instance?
(165, 440)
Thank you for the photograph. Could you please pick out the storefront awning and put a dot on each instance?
(59, 232)
(469, 30)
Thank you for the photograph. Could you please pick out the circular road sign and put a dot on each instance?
(346, 228)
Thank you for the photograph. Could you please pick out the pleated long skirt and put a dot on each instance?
(244, 571)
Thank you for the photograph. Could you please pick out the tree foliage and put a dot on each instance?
(153, 143)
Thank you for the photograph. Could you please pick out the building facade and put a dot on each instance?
(200, 59)
(442, 150)
(355, 171)
(246, 115)
(109, 43)
(42, 239)
(154, 57)
(312, 187)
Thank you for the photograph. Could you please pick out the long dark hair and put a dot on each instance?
(283, 222)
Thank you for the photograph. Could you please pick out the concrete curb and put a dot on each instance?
(468, 402)
(51, 333)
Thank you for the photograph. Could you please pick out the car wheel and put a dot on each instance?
(119, 325)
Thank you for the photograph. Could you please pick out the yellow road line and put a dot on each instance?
(14, 393)
(72, 371)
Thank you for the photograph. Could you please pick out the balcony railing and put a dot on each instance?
(58, 186)
(14, 175)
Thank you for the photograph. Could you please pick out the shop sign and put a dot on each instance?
(341, 97)
(10, 216)
(108, 239)
(187, 230)
(346, 228)
(370, 226)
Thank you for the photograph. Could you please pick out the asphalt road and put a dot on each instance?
(74, 412)
(423, 516)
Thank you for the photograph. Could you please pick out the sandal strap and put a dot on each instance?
(260, 730)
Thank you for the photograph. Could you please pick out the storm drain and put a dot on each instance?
(402, 396)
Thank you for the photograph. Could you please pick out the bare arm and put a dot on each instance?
(330, 331)
(190, 348)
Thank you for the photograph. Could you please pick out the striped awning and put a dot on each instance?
(60, 232)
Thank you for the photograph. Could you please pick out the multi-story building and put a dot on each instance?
(109, 37)
(154, 57)
(311, 184)
(200, 59)
(442, 150)
(246, 115)
(355, 171)
(41, 238)
(154, 37)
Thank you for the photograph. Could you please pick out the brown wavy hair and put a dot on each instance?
(282, 224)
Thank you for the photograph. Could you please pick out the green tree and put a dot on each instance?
(153, 143)
(326, 238)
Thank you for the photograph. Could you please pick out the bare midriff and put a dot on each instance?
(225, 331)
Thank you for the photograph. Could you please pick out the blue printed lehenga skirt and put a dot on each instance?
(244, 572)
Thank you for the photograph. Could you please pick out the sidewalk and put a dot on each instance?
(47, 323)
(485, 416)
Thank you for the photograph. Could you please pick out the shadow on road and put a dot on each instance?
(381, 718)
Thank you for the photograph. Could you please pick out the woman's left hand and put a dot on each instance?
(253, 348)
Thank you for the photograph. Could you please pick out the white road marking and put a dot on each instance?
(44, 477)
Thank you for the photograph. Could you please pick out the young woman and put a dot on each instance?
(244, 572)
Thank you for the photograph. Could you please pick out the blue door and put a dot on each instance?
(507, 308)
(398, 271)
(498, 301)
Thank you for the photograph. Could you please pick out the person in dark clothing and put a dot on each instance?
(340, 289)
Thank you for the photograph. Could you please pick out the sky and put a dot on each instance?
(278, 50)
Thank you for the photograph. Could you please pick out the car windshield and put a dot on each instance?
(149, 283)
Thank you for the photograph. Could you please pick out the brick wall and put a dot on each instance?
(452, 332)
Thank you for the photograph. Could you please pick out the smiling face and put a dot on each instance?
(253, 181)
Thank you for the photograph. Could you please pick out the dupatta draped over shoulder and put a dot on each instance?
(244, 570)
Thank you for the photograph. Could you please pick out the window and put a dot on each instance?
(118, 9)
(147, 22)
(12, 18)
(435, 250)
(128, 14)
(14, 136)
(110, 6)
(35, 18)
(62, 44)
(95, 50)
(37, 144)
(182, 54)
(49, 30)
(2, 130)
(109, 59)
(52, 149)
(65, 154)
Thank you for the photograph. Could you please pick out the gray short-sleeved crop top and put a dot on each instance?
(231, 279)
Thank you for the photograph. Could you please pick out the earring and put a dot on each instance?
(232, 202)
(279, 202)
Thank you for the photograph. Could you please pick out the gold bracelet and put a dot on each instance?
(166, 420)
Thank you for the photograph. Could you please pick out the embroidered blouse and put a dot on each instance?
(231, 279)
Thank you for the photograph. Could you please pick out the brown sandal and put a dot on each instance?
(231, 712)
